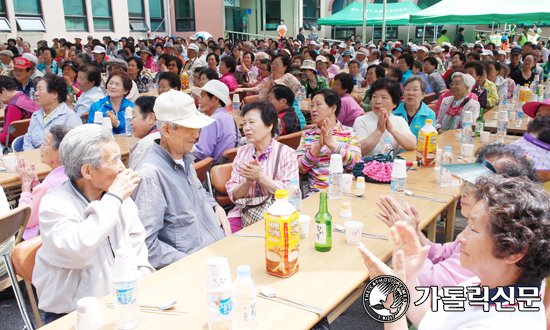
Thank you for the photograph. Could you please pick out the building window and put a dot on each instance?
(156, 14)
(338, 5)
(312, 12)
(101, 10)
(4, 24)
(342, 32)
(391, 32)
(75, 15)
(28, 15)
(137, 16)
(185, 15)
(273, 14)
(27, 8)
(429, 31)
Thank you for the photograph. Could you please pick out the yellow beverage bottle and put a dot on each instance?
(426, 147)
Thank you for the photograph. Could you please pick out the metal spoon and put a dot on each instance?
(270, 293)
(164, 306)
(411, 194)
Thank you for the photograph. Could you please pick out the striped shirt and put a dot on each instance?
(287, 80)
(87, 98)
(317, 168)
(288, 168)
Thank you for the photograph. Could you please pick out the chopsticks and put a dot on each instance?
(249, 235)
(364, 234)
(153, 310)
(294, 304)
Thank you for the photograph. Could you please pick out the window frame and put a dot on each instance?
(184, 19)
(23, 15)
(379, 28)
(104, 18)
(161, 20)
(83, 17)
(135, 17)
(20, 19)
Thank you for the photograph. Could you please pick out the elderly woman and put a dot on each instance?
(509, 225)
(263, 165)
(328, 137)
(221, 135)
(282, 98)
(51, 94)
(70, 72)
(247, 64)
(374, 72)
(457, 62)
(174, 64)
(115, 103)
(525, 75)
(322, 65)
(280, 75)
(89, 81)
(442, 267)
(213, 60)
(380, 124)
(144, 127)
(32, 190)
(135, 68)
(414, 110)
(17, 105)
(227, 68)
(84, 220)
(147, 59)
(312, 82)
(453, 107)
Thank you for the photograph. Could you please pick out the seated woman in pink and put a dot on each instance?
(49, 155)
(227, 68)
(442, 266)
(263, 165)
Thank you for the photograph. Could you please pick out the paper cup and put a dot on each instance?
(218, 277)
(10, 161)
(468, 150)
(106, 122)
(354, 229)
(348, 179)
(125, 267)
(485, 136)
(437, 173)
(346, 210)
(304, 225)
(88, 316)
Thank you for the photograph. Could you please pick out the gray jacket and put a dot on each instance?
(176, 211)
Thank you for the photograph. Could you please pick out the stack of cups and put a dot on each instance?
(106, 121)
(125, 289)
(399, 180)
(304, 225)
(346, 210)
(335, 178)
(98, 118)
(88, 316)
(218, 289)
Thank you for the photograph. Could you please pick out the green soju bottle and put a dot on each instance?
(480, 123)
(323, 226)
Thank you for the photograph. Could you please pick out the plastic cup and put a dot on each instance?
(484, 136)
(468, 150)
(354, 229)
(218, 277)
(346, 210)
(10, 161)
(88, 316)
(348, 179)
(304, 225)
(98, 118)
(106, 121)
(437, 174)
(125, 267)
(399, 168)
(335, 163)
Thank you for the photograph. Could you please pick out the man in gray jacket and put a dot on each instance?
(179, 215)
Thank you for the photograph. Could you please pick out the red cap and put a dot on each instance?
(21, 63)
(531, 108)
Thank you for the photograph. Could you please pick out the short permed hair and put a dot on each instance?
(392, 86)
(346, 80)
(56, 84)
(268, 112)
(172, 79)
(331, 98)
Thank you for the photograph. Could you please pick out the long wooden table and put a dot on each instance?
(491, 123)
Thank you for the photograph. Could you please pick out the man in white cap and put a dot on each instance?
(78, 42)
(422, 53)
(341, 49)
(55, 45)
(487, 55)
(99, 58)
(502, 56)
(194, 61)
(361, 56)
(179, 215)
(6, 57)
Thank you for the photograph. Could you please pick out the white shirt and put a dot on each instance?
(366, 125)
(474, 317)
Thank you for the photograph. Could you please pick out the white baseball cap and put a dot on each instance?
(424, 49)
(487, 52)
(55, 37)
(31, 57)
(179, 108)
(363, 51)
(98, 50)
(501, 52)
(216, 88)
(321, 58)
(342, 45)
(193, 47)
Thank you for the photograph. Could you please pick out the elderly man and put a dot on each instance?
(36, 74)
(361, 56)
(19, 44)
(6, 57)
(99, 58)
(21, 72)
(194, 61)
(313, 36)
(84, 221)
(179, 215)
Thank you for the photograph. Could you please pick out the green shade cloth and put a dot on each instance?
(352, 15)
(483, 12)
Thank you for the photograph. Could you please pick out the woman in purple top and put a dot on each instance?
(442, 266)
(343, 85)
(227, 67)
(32, 190)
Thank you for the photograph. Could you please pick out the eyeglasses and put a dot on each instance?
(43, 146)
(456, 83)
(172, 64)
(275, 64)
(411, 90)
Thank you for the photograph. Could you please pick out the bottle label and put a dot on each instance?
(126, 293)
(225, 306)
(320, 233)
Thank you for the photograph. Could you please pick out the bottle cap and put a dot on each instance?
(281, 194)
(293, 180)
(387, 140)
(346, 206)
(429, 121)
(236, 98)
(399, 168)
(336, 163)
(468, 123)
(448, 148)
(243, 271)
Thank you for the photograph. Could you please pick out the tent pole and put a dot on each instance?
(435, 33)
(384, 21)
(372, 33)
(263, 15)
(424, 33)
(408, 31)
(364, 40)
(493, 28)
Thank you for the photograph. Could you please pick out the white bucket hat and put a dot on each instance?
(99, 50)
(216, 88)
(179, 108)
(308, 65)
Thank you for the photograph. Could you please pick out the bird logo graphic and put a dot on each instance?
(386, 298)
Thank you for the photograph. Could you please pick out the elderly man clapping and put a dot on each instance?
(180, 217)
(84, 221)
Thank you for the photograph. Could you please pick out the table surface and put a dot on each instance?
(491, 123)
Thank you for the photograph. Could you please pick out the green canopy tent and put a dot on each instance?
(352, 15)
(483, 12)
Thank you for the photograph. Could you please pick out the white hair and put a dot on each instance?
(261, 56)
(83, 145)
(468, 80)
(162, 123)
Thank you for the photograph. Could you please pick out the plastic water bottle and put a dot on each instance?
(502, 124)
(128, 120)
(236, 103)
(399, 181)
(466, 136)
(387, 146)
(125, 289)
(299, 97)
(219, 289)
(295, 194)
(335, 177)
(151, 86)
(520, 114)
(244, 300)
(191, 81)
(446, 178)
(32, 94)
(516, 93)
